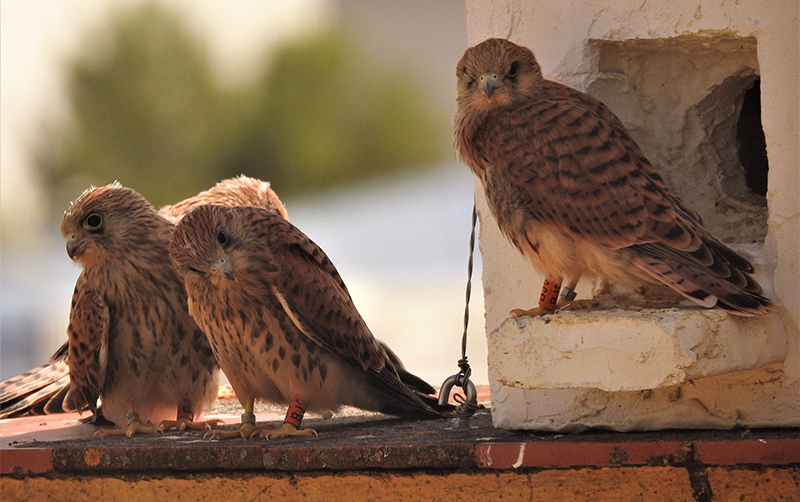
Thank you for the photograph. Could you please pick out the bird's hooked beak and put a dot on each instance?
(489, 83)
(75, 245)
(223, 268)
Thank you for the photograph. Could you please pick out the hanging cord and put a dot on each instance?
(467, 405)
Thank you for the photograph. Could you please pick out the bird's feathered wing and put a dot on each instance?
(41, 390)
(319, 305)
(582, 174)
(88, 347)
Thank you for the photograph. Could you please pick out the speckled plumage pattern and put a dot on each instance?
(573, 192)
(131, 340)
(280, 319)
(46, 389)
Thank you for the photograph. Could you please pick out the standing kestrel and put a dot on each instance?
(131, 340)
(46, 389)
(571, 189)
(281, 321)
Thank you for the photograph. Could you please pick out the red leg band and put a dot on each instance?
(294, 415)
(549, 296)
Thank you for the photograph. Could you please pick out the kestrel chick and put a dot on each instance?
(131, 340)
(239, 191)
(282, 323)
(46, 389)
(571, 189)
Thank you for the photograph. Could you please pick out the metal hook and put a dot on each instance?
(468, 387)
(469, 404)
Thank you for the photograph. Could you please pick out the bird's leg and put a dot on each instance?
(135, 426)
(185, 420)
(567, 301)
(291, 424)
(548, 300)
(568, 294)
(248, 428)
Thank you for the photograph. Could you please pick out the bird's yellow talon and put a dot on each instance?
(534, 312)
(135, 427)
(183, 423)
(246, 431)
(288, 430)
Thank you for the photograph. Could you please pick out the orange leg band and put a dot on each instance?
(549, 296)
(296, 411)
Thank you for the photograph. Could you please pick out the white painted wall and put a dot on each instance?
(563, 37)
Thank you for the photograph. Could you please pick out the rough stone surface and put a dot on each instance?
(736, 485)
(741, 399)
(672, 484)
(624, 350)
(589, 485)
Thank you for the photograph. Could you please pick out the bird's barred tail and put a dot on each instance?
(712, 276)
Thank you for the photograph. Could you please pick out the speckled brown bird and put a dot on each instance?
(46, 389)
(570, 188)
(238, 191)
(132, 343)
(281, 321)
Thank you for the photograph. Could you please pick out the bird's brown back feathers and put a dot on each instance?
(553, 157)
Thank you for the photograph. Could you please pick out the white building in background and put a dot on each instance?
(677, 73)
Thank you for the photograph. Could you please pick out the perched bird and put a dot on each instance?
(46, 389)
(571, 189)
(131, 340)
(282, 324)
(238, 191)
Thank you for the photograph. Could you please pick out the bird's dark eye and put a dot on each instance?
(93, 221)
(222, 237)
(512, 72)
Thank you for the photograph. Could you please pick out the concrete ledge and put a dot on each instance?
(648, 369)
(380, 458)
(755, 398)
(623, 350)
(376, 442)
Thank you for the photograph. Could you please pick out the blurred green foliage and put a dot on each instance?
(147, 110)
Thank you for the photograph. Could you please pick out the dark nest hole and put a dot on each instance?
(751, 142)
(731, 113)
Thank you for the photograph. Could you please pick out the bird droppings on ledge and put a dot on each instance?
(354, 443)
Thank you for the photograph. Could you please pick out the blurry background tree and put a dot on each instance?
(322, 116)
(148, 111)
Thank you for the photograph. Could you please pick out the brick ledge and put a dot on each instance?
(380, 442)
